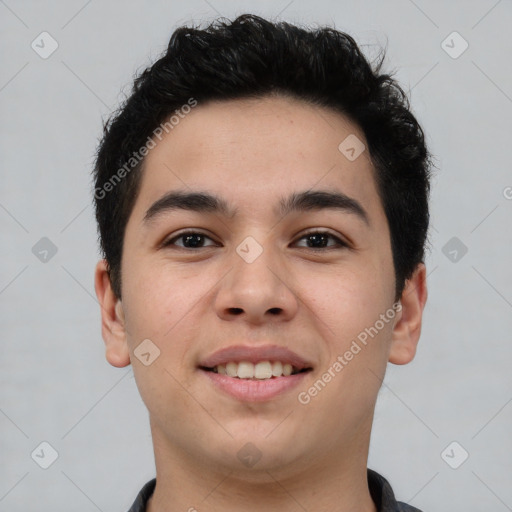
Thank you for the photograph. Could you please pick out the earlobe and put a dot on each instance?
(407, 328)
(112, 319)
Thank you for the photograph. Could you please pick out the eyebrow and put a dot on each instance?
(205, 202)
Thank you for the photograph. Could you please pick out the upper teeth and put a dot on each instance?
(261, 370)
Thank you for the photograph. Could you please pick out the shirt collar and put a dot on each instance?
(380, 491)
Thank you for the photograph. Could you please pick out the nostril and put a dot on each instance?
(236, 311)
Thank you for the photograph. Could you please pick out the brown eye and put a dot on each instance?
(190, 240)
(320, 240)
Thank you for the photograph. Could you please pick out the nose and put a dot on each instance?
(257, 291)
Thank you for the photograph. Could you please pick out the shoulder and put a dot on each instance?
(139, 505)
(403, 507)
(383, 496)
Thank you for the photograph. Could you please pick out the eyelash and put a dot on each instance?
(340, 244)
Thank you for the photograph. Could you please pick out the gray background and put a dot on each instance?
(56, 385)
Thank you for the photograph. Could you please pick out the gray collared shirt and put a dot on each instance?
(380, 491)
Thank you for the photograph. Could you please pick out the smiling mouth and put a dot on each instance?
(263, 370)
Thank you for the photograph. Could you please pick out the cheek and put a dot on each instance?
(158, 298)
(165, 306)
(348, 301)
(164, 393)
(356, 340)
(156, 307)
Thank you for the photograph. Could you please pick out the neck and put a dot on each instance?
(334, 482)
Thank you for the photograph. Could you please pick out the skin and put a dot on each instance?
(314, 301)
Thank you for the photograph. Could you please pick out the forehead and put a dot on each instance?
(252, 151)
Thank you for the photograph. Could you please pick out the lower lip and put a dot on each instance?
(249, 390)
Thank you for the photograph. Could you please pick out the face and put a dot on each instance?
(251, 276)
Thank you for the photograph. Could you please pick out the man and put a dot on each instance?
(262, 202)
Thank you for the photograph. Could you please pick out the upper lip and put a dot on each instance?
(254, 355)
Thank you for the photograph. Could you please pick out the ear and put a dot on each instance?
(112, 318)
(407, 328)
